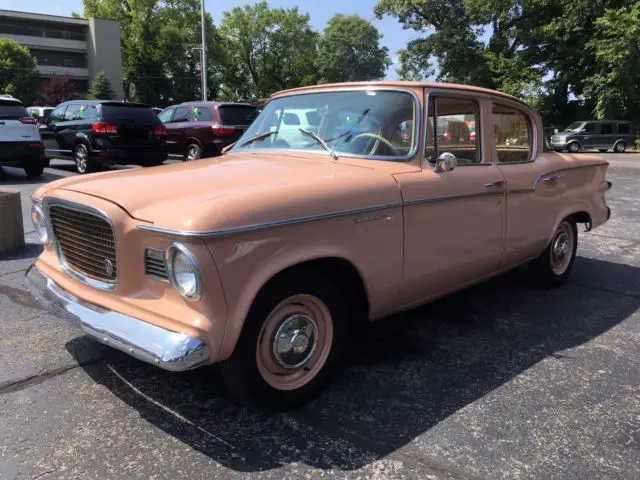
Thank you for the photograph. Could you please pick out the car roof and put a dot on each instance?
(6, 99)
(602, 121)
(103, 102)
(212, 104)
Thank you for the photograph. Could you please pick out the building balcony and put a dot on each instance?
(77, 73)
(48, 43)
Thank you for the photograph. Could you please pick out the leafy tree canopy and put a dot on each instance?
(349, 51)
(57, 89)
(101, 88)
(19, 74)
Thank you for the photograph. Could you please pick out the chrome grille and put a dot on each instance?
(86, 242)
(154, 263)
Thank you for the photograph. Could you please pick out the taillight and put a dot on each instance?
(160, 130)
(218, 130)
(29, 120)
(104, 127)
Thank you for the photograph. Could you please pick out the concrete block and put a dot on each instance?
(11, 231)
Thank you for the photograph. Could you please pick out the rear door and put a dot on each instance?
(237, 117)
(607, 135)
(625, 133)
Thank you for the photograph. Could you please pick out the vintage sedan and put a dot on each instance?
(265, 258)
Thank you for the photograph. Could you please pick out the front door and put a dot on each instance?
(454, 220)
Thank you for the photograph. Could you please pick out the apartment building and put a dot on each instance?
(68, 46)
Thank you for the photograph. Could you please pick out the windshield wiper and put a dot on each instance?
(257, 137)
(324, 144)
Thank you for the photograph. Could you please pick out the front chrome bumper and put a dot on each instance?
(164, 348)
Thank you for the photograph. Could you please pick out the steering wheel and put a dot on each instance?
(379, 138)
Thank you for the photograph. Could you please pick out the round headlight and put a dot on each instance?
(184, 272)
(40, 224)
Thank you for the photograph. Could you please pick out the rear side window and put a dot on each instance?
(513, 134)
(624, 128)
(591, 128)
(12, 111)
(202, 114)
(237, 114)
(122, 114)
(606, 128)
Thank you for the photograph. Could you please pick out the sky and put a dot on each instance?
(320, 12)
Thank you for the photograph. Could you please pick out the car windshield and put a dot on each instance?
(364, 123)
(574, 127)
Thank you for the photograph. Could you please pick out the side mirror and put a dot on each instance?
(584, 130)
(446, 162)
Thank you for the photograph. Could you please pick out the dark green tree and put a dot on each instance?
(266, 50)
(19, 74)
(349, 50)
(101, 88)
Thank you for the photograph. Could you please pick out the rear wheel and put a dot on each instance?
(81, 158)
(35, 170)
(620, 147)
(553, 266)
(291, 342)
(574, 147)
(193, 152)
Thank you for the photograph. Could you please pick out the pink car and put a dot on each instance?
(265, 258)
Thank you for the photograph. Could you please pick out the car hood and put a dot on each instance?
(563, 134)
(238, 190)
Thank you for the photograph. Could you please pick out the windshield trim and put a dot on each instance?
(406, 158)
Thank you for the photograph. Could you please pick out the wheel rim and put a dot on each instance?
(620, 147)
(81, 158)
(193, 153)
(562, 248)
(574, 147)
(294, 342)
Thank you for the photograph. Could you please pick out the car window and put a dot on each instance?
(590, 127)
(290, 119)
(606, 128)
(455, 129)
(12, 110)
(624, 128)
(165, 115)
(513, 134)
(202, 114)
(72, 113)
(58, 114)
(351, 122)
(181, 115)
(237, 114)
(313, 119)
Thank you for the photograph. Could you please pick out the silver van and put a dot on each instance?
(595, 135)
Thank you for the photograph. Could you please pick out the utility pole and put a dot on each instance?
(203, 66)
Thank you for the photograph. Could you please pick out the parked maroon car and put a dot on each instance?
(202, 129)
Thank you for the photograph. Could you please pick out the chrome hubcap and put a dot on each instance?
(193, 154)
(561, 247)
(295, 341)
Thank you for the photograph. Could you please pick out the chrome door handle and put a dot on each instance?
(496, 184)
(551, 178)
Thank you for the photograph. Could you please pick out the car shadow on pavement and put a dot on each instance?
(404, 375)
(16, 176)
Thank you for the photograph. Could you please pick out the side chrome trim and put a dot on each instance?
(262, 226)
(49, 201)
(164, 348)
(455, 197)
(418, 129)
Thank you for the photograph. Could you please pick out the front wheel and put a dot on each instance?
(620, 147)
(553, 266)
(291, 341)
(574, 147)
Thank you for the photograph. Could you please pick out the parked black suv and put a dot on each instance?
(101, 132)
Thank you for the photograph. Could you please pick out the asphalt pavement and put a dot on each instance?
(499, 381)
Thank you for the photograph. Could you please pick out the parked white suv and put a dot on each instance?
(20, 143)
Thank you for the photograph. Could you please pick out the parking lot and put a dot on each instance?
(499, 381)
